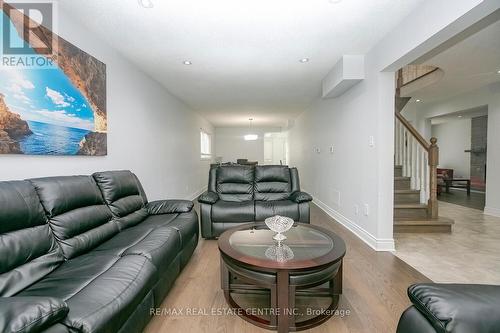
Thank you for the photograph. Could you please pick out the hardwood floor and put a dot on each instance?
(475, 240)
(375, 286)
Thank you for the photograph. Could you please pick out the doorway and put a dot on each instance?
(462, 138)
(275, 148)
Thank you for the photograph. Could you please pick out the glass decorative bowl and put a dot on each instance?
(279, 224)
(279, 252)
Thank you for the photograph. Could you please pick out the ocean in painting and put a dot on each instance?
(48, 139)
(60, 105)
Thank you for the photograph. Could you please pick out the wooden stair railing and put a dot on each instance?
(419, 160)
(418, 157)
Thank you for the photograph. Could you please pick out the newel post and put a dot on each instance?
(433, 164)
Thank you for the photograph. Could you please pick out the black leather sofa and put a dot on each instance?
(452, 308)
(242, 194)
(88, 253)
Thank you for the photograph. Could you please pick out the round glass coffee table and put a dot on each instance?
(279, 285)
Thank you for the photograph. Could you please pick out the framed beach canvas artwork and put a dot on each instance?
(51, 103)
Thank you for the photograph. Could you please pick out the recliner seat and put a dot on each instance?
(451, 308)
(129, 205)
(242, 194)
(88, 253)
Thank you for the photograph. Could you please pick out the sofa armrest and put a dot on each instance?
(208, 198)
(413, 321)
(299, 197)
(458, 307)
(169, 207)
(30, 314)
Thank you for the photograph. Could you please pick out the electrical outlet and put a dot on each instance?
(332, 149)
(335, 196)
(367, 209)
(371, 141)
(317, 150)
(356, 210)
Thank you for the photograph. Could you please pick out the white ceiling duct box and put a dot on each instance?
(347, 72)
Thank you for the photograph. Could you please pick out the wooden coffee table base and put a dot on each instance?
(282, 294)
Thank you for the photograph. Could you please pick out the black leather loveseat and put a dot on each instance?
(241, 194)
(452, 308)
(88, 253)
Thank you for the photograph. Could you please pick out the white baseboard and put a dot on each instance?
(365, 236)
(195, 195)
(375, 243)
(492, 211)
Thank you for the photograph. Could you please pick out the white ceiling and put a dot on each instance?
(245, 53)
(468, 65)
(461, 115)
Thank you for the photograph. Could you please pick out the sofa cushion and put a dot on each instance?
(123, 194)
(30, 314)
(227, 211)
(186, 225)
(78, 216)
(458, 308)
(57, 328)
(101, 293)
(28, 251)
(272, 173)
(155, 221)
(265, 209)
(71, 276)
(235, 183)
(272, 182)
(107, 302)
(160, 245)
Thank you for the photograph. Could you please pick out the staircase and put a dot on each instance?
(415, 178)
(410, 215)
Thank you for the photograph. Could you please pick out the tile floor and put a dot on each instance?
(475, 200)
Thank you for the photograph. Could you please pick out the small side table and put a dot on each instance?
(451, 183)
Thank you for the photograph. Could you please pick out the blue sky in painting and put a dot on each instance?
(44, 94)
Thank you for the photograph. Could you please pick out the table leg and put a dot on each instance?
(291, 303)
(337, 280)
(224, 275)
(468, 187)
(283, 302)
(274, 306)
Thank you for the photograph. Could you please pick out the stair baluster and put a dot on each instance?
(416, 161)
(419, 161)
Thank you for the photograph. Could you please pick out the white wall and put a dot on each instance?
(410, 112)
(454, 137)
(357, 174)
(150, 132)
(230, 144)
(490, 96)
(350, 177)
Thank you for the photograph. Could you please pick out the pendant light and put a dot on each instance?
(251, 137)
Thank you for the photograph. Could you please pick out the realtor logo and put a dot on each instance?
(27, 34)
